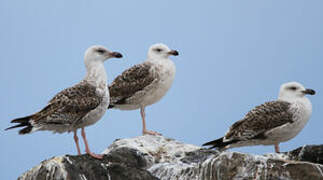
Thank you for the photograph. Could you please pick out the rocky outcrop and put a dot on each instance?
(157, 157)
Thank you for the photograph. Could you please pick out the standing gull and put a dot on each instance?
(272, 122)
(78, 106)
(144, 84)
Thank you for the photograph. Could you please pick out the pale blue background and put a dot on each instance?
(233, 55)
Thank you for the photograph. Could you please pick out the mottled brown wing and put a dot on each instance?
(261, 119)
(70, 105)
(129, 82)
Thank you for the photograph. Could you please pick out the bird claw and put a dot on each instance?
(151, 133)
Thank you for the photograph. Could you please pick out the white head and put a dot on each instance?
(160, 51)
(293, 90)
(98, 54)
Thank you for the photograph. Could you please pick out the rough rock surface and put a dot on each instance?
(157, 157)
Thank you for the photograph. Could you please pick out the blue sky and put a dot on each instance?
(234, 55)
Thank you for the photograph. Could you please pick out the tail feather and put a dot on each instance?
(23, 122)
(19, 125)
(110, 106)
(218, 143)
(26, 130)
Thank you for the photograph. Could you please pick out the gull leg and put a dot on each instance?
(76, 139)
(144, 130)
(277, 148)
(87, 149)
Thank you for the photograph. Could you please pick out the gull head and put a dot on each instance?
(99, 53)
(160, 51)
(293, 90)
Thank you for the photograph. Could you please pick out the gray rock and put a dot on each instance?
(309, 153)
(120, 164)
(157, 157)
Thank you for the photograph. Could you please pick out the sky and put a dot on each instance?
(234, 55)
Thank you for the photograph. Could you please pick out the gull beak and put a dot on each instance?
(309, 91)
(115, 54)
(173, 52)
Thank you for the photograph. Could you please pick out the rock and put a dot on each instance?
(310, 153)
(157, 157)
(120, 164)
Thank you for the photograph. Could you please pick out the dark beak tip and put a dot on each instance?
(117, 55)
(310, 91)
(174, 53)
(313, 92)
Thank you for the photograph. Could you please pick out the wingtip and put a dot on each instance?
(15, 126)
(7, 128)
(23, 122)
(26, 130)
(218, 143)
(110, 106)
(207, 143)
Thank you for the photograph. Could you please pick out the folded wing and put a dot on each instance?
(130, 82)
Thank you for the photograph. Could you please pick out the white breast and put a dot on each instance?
(97, 113)
(302, 110)
(166, 74)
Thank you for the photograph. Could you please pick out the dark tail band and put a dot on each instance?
(218, 143)
(110, 106)
(23, 122)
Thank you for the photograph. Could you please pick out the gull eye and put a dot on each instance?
(158, 50)
(293, 88)
(101, 51)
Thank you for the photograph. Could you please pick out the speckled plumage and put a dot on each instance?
(259, 120)
(272, 122)
(67, 109)
(130, 82)
(78, 106)
(144, 84)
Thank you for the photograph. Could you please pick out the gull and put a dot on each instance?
(144, 84)
(272, 122)
(78, 106)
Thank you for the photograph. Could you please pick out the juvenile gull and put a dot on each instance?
(144, 84)
(272, 122)
(78, 106)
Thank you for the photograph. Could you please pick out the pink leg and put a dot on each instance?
(144, 130)
(277, 148)
(87, 149)
(76, 139)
